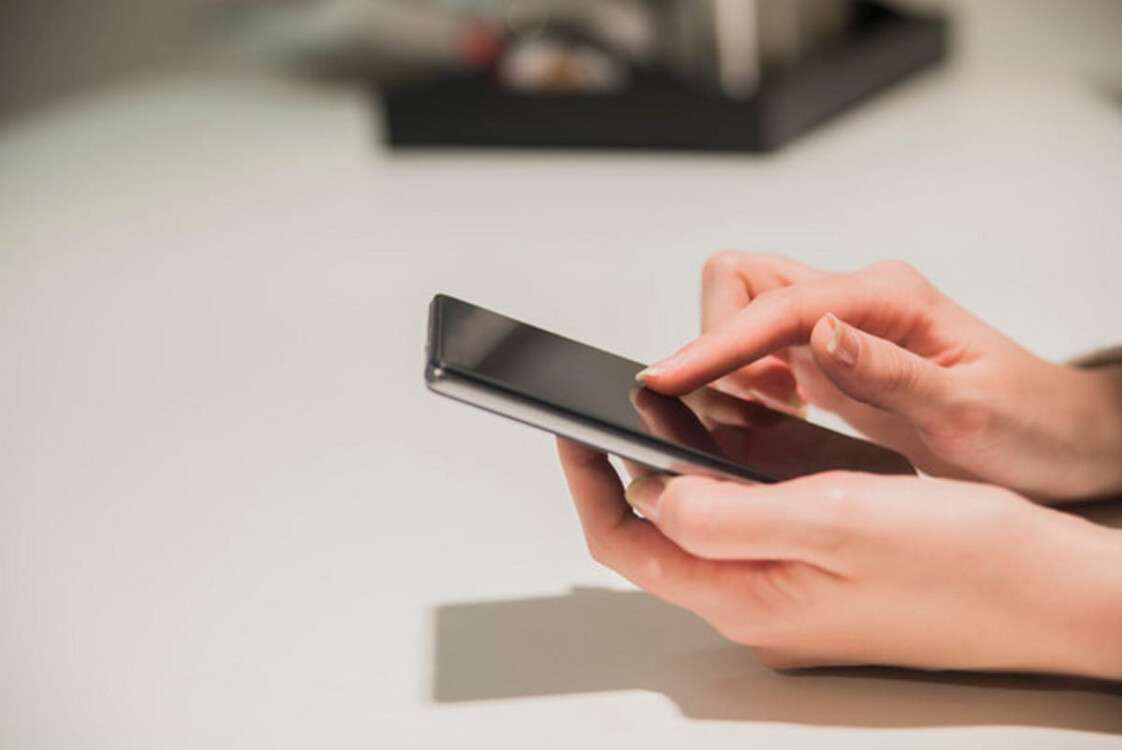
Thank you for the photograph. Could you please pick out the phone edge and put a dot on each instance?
(465, 390)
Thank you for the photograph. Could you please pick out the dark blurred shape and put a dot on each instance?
(676, 102)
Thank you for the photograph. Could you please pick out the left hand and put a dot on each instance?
(844, 568)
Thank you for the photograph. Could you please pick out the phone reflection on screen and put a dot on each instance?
(752, 435)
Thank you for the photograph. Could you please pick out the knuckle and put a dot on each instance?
(597, 549)
(721, 264)
(903, 375)
(788, 299)
(673, 506)
(787, 304)
(685, 516)
(896, 269)
(905, 278)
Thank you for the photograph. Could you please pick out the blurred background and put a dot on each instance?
(51, 50)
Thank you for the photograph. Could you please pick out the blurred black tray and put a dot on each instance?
(659, 111)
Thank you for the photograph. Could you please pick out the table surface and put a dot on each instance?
(232, 516)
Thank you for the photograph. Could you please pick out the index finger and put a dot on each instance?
(730, 280)
(873, 301)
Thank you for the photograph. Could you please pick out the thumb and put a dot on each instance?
(879, 373)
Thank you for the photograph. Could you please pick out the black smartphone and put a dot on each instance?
(591, 396)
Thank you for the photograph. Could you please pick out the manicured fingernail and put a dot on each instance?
(643, 494)
(842, 344)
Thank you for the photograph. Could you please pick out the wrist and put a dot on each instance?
(1086, 430)
(1101, 607)
(1100, 413)
(1085, 609)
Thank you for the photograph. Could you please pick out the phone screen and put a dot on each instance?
(594, 385)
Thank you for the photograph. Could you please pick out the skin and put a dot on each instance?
(909, 368)
(955, 571)
(840, 569)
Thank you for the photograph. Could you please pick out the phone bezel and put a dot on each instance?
(462, 387)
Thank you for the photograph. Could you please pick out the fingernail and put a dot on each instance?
(643, 494)
(662, 367)
(798, 406)
(842, 344)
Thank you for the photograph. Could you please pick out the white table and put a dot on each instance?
(231, 516)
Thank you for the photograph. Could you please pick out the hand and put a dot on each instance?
(844, 568)
(907, 367)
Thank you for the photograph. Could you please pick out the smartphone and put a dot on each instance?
(591, 396)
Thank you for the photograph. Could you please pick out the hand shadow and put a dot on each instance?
(1103, 512)
(598, 640)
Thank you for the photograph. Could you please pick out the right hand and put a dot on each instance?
(906, 366)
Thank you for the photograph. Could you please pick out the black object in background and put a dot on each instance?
(660, 111)
(560, 385)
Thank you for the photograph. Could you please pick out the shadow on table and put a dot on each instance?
(596, 640)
